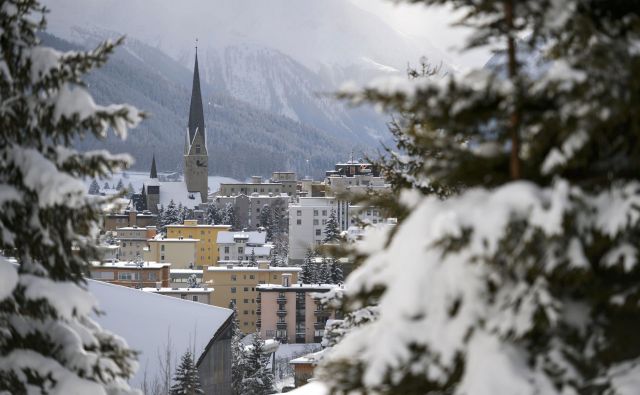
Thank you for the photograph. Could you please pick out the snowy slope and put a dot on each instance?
(151, 323)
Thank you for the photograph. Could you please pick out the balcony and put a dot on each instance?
(259, 311)
(258, 323)
(281, 299)
(281, 325)
(281, 313)
(321, 313)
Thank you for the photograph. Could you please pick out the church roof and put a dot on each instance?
(196, 113)
(154, 172)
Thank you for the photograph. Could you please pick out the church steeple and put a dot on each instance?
(196, 113)
(196, 157)
(154, 172)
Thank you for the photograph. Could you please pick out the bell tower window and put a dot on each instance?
(197, 148)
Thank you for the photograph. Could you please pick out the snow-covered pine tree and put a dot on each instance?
(331, 229)
(525, 279)
(266, 221)
(323, 275)
(252, 258)
(335, 271)
(48, 341)
(171, 214)
(307, 275)
(106, 185)
(94, 188)
(238, 357)
(130, 191)
(214, 215)
(120, 185)
(186, 380)
(258, 379)
(228, 215)
(192, 281)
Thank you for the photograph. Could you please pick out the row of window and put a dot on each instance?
(123, 276)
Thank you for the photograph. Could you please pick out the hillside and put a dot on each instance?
(242, 139)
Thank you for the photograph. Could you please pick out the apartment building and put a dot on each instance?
(180, 252)
(237, 285)
(200, 295)
(131, 274)
(206, 246)
(292, 313)
(247, 188)
(238, 246)
(128, 218)
(308, 217)
(133, 241)
(248, 208)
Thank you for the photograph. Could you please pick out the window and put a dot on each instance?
(233, 290)
(226, 250)
(162, 258)
(102, 275)
(246, 289)
(315, 213)
(246, 300)
(318, 232)
(233, 301)
(128, 276)
(197, 148)
(226, 258)
(316, 222)
(299, 222)
(245, 312)
(153, 276)
(161, 247)
(240, 250)
(299, 213)
(233, 277)
(324, 222)
(261, 282)
(195, 298)
(124, 244)
(324, 213)
(252, 277)
(275, 277)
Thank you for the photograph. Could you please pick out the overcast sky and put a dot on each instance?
(431, 23)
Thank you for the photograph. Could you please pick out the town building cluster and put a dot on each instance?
(246, 246)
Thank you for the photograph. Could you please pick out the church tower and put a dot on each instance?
(195, 145)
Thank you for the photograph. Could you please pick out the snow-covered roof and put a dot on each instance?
(185, 271)
(169, 290)
(251, 237)
(130, 265)
(313, 388)
(312, 358)
(177, 191)
(254, 269)
(312, 287)
(173, 240)
(150, 322)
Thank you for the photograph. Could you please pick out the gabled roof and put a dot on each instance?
(149, 322)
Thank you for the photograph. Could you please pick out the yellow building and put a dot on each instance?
(206, 247)
(181, 252)
(238, 284)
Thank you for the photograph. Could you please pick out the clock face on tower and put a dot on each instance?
(200, 163)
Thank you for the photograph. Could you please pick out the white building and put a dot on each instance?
(308, 218)
(238, 246)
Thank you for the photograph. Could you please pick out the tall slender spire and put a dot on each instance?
(154, 173)
(196, 113)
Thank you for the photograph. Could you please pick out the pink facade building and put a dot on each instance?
(291, 313)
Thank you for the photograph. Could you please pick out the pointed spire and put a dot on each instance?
(196, 113)
(154, 172)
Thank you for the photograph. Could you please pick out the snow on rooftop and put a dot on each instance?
(173, 239)
(177, 191)
(254, 268)
(185, 271)
(299, 286)
(130, 264)
(169, 290)
(312, 358)
(149, 322)
(252, 237)
(313, 388)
